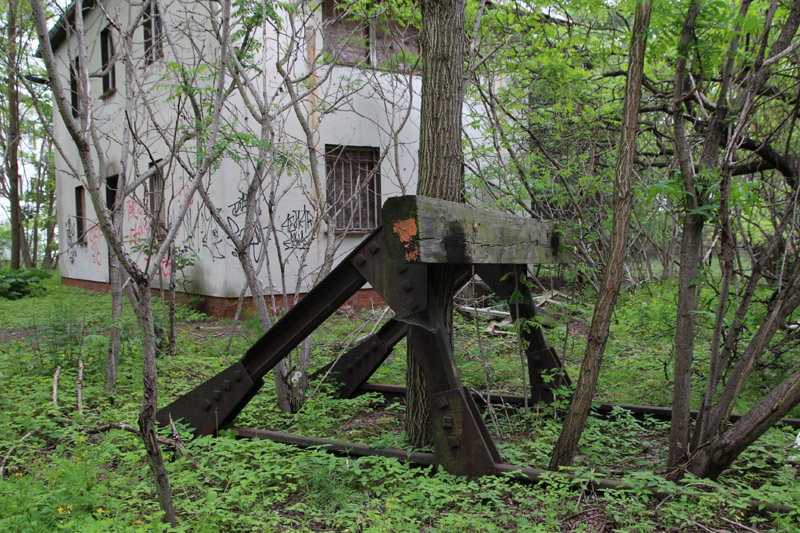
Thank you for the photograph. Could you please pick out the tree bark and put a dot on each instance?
(147, 413)
(115, 335)
(567, 444)
(13, 135)
(443, 47)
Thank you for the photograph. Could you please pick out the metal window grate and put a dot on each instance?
(153, 33)
(353, 187)
(155, 201)
(74, 86)
(80, 214)
(107, 60)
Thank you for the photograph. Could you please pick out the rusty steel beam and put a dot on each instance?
(214, 404)
(519, 473)
(659, 413)
(355, 367)
(545, 370)
(335, 446)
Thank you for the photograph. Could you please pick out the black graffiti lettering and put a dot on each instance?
(297, 228)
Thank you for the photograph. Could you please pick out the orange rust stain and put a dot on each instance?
(406, 231)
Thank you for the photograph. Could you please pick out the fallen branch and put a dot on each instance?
(467, 310)
(10, 450)
(178, 443)
(175, 443)
(56, 374)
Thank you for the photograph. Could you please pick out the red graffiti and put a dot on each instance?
(95, 236)
(182, 194)
(140, 226)
(166, 267)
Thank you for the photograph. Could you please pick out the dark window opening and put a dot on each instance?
(153, 33)
(107, 58)
(395, 44)
(353, 187)
(155, 201)
(112, 182)
(354, 40)
(345, 38)
(74, 86)
(80, 214)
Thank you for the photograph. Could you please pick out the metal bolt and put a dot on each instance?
(374, 346)
(360, 260)
(536, 359)
(442, 403)
(407, 285)
(414, 304)
(453, 441)
(447, 421)
(216, 394)
(373, 248)
(357, 360)
(226, 384)
(403, 269)
(349, 367)
(206, 405)
(237, 375)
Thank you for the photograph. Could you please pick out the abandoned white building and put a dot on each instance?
(328, 98)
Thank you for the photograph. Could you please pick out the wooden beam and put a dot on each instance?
(418, 229)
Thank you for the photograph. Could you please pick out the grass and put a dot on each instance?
(60, 473)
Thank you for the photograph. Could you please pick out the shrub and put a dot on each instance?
(16, 284)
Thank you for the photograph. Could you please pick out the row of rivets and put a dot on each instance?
(448, 422)
(227, 385)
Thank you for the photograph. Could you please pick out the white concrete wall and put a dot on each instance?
(370, 108)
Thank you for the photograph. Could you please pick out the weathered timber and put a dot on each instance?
(418, 229)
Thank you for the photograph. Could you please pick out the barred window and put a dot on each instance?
(353, 187)
(153, 33)
(353, 38)
(155, 201)
(74, 86)
(107, 59)
(345, 37)
(395, 44)
(112, 183)
(80, 214)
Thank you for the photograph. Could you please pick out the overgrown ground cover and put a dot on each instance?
(67, 470)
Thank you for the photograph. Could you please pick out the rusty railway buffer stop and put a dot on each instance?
(418, 235)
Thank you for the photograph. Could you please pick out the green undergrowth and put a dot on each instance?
(64, 470)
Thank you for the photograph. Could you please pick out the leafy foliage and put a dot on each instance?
(67, 476)
(16, 284)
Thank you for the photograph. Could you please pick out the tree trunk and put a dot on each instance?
(684, 338)
(147, 415)
(50, 247)
(172, 343)
(567, 443)
(718, 454)
(692, 236)
(443, 46)
(115, 335)
(689, 252)
(12, 136)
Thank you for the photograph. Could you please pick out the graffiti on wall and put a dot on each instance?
(71, 235)
(297, 227)
(94, 236)
(236, 221)
(138, 221)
